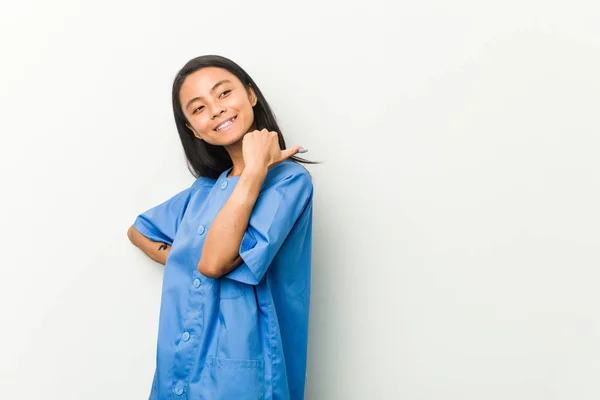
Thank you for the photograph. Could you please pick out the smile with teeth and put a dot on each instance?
(226, 125)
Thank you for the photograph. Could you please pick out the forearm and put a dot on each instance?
(157, 251)
(220, 253)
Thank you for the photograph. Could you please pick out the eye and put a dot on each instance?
(225, 93)
(197, 110)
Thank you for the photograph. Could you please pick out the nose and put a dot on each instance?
(218, 111)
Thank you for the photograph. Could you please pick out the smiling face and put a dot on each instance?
(217, 106)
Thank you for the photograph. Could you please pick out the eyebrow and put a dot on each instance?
(211, 90)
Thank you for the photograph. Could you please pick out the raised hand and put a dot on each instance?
(261, 149)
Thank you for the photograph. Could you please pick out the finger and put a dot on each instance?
(287, 153)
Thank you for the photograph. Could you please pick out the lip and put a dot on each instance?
(227, 127)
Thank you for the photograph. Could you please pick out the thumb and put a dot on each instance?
(287, 153)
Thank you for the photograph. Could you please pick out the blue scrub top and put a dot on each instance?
(244, 335)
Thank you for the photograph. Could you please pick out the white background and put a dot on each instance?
(456, 223)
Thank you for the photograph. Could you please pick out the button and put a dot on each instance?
(224, 185)
(178, 390)
(201, 229)
(197, 283)
(185, 336)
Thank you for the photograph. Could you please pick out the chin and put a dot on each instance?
(228, 140)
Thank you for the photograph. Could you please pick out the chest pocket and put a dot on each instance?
(230, 289)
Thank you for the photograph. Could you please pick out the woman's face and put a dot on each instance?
(217, 106)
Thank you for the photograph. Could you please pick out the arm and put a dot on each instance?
(220, 253)
(157, 251)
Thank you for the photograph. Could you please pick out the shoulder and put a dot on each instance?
(290, 177)
(289, 170)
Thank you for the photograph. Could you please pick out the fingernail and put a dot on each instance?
(302, 150)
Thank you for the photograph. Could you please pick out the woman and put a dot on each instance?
(236, 246)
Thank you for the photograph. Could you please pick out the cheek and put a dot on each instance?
(248, 111)
(200, 124)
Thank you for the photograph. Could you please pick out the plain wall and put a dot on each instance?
(456, 240)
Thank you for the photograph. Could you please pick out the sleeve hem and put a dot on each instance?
(144, 230)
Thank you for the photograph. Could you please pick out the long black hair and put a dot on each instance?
(205, 159)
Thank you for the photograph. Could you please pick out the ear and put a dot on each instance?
(252, 96)
(193, 131)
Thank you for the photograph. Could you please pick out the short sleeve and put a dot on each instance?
(273, 217)
(160, 223)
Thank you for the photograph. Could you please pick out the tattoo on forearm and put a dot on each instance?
(163, 246)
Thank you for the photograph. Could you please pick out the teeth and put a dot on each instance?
(225, 124)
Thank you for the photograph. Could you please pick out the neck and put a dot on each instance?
(237, 157)
(236, 154)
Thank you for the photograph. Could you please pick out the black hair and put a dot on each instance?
(203, 158)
